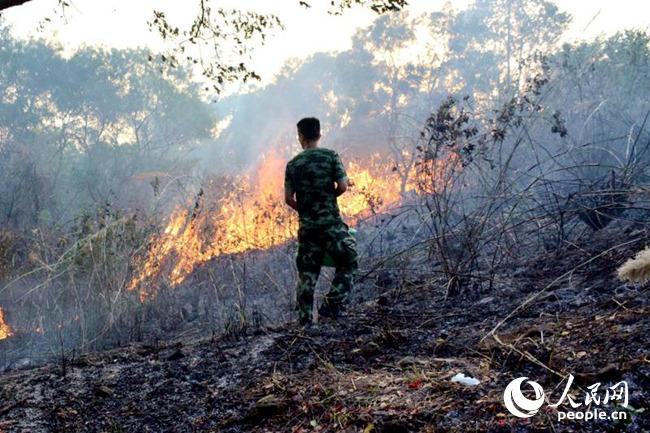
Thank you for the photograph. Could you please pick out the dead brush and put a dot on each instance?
(636, 270)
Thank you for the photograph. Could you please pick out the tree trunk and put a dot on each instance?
(6, 4)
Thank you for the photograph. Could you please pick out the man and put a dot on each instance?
(313, 180)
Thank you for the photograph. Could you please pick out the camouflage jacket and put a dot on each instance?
(311, 175)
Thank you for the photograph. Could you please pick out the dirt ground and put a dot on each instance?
(386, 366)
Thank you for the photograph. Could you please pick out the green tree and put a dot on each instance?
(92, 129)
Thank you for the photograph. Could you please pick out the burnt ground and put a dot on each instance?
(385, 367)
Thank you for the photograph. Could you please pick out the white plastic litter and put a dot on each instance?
(465, 380)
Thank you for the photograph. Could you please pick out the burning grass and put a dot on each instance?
(5, 330)
(252, 215)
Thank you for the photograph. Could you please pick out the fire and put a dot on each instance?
(376, 186)
(5, 330)
(252, 215)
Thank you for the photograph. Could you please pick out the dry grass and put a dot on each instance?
(636, 270)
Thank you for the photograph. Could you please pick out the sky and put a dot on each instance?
(123, 23)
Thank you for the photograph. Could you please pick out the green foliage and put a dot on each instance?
(88, 130)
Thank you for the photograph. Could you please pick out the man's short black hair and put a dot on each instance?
(309, 127)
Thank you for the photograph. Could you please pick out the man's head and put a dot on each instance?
(308, 131)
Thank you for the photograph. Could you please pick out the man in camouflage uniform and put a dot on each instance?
(313, 180)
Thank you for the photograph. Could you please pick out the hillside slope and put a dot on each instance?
(385, 367)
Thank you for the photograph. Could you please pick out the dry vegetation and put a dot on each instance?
(386, 367)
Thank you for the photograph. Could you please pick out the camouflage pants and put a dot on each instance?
(312, 246)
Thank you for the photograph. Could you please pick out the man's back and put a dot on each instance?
(312, 181)
(311, 176)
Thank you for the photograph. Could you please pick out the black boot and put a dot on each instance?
(329, 310)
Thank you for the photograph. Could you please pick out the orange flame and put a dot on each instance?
(252, 216)
(5, 330)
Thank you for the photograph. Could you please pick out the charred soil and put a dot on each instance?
(386, 366)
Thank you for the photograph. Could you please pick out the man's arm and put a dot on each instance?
(290, 199)
(341, 186)
(340, 177)
(289, 189)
